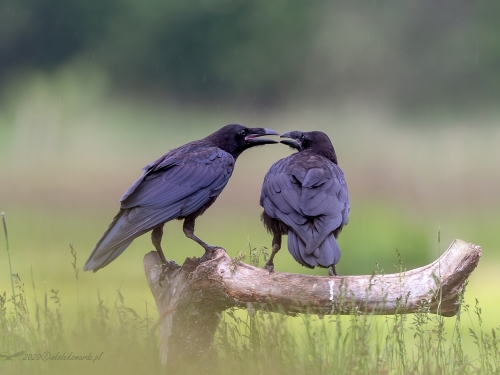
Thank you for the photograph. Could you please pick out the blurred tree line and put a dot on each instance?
(417, 54)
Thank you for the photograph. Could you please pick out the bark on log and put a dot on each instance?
(192, 298)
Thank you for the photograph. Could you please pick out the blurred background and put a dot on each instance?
(91, 91)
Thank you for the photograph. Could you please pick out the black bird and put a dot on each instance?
(181, 184)
(305, 197)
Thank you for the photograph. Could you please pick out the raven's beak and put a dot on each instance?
(293, 143)
(253, 137)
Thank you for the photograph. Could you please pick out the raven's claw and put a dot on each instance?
(269, 266)
(209, 253)
(165, 268)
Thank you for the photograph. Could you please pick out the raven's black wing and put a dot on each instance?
(309, 194)
(174, 186)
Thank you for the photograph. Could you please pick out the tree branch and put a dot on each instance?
(192, 297)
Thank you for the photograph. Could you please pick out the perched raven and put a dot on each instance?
(305, 197)
(181, 184)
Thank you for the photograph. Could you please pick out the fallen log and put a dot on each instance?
(190, 299)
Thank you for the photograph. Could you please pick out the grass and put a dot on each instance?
(48, 338)
(69, 148)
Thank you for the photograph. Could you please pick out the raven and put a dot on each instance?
(305, 197)
(181, 184)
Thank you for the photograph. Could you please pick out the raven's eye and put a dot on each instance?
(243, 132)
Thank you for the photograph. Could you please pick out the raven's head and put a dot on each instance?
(236, 138)
(316, 141)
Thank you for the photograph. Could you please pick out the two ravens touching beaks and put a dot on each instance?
(304, 196)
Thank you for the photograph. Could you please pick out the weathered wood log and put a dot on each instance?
(191, 298)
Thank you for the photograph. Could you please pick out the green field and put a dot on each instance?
(67, 155)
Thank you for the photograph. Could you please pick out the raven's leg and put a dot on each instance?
(276, 247)
(332, 271)
(156, 236)
(188, 229)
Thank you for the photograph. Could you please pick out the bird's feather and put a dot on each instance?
(174, 186)
(308, 193)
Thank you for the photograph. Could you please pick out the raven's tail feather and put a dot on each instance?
(108, 248)
(127, 225)
(326, 255)
(97, 261)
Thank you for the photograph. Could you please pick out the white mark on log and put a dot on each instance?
(330, 282)
(314, 286)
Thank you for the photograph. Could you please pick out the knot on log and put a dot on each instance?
(191, 298)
